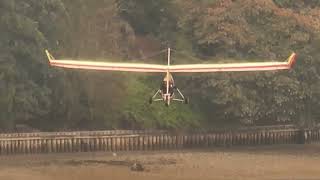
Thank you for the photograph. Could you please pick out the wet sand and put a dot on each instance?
(268, 162)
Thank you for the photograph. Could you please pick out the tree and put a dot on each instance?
(248, 30)
(150, 16)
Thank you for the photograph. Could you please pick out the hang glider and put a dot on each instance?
(188, 68)
(168, 87)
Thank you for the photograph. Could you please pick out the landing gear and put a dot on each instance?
(167, 101)
(153, 98)
(186, 100)
(177, 96)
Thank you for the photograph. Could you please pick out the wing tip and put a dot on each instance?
(50, 57)
(292, 60)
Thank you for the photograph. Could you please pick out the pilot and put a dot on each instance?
(164, 87)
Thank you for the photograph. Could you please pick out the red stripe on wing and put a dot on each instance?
(230, 69)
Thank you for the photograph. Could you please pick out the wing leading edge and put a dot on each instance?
(106, 66)
(188, 68)
(231, 67)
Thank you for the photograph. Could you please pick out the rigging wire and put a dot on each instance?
(154, 54)
(185, 54)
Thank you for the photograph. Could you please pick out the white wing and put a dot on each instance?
(230, 67)
(134, 67)
(107, 66)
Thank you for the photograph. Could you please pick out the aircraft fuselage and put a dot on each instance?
(167, 88)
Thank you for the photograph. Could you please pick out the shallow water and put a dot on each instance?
(268, 162)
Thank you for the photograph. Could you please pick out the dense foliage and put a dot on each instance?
(47, 98)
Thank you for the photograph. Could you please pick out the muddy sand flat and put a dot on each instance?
(268, 162)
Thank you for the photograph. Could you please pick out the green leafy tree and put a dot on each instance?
(150, 17)
(247, 29)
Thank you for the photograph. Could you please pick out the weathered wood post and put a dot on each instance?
(126, 143)
(131, 144)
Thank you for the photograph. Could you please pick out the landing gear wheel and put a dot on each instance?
(166, 102)
(150, 100)
(186, 100)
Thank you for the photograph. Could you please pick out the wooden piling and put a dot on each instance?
(68, 142)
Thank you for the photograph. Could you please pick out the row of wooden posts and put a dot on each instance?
(90, 142)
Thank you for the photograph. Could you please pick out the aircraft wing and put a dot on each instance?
(192, 68)
(231, 67)
(106, 66)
